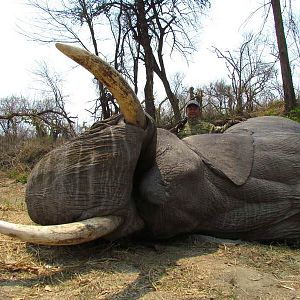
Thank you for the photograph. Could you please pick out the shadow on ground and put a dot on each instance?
(149, 260)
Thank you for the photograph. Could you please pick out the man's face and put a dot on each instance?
(193, 111)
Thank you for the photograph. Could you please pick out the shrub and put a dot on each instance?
(295, 114)
(275, 108)
(32, 150)
(19, 155)
(19, 176)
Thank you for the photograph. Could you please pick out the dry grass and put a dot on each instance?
(183, 268)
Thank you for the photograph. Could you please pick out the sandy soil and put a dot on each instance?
(189, 267)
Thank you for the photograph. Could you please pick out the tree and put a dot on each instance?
(164, 113)
(71, 22)
(220, 94)
(139, 28)
(57, 119)
(289, 92)
(47, 115)
(152, 24)
(248, 72)
(11, 123)
(284, 18)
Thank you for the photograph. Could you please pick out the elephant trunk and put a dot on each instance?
(64, 234)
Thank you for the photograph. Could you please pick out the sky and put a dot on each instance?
(222, 28)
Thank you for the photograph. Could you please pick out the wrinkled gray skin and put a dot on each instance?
(243, 184)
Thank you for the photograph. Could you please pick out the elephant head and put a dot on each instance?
(125, 176)
(90, 179)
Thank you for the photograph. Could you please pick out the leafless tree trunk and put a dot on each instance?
(150, 24)
(144, 40)
(289, 92)
(139, 28)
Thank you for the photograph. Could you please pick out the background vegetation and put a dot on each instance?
(142, 33)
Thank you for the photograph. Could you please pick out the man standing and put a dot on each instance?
(192, 124)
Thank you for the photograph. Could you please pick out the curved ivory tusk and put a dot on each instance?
(113, 80)
(63, 234)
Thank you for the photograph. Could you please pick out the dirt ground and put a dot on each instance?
(189, 267)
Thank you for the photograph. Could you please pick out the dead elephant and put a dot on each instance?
(126, 176)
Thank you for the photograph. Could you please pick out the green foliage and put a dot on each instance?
(295, 114)
(275, 108)
(18, 176)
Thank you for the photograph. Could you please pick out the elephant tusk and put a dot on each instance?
(113, 80)
(63, 234)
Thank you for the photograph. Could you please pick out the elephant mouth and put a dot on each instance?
(97, 227)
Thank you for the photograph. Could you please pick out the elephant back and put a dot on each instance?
(266, 125)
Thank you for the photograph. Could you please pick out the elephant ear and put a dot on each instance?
(228, 155)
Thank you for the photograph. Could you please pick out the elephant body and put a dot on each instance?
(244, 183)
(124, 176)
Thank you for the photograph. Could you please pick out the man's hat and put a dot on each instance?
(192, 102)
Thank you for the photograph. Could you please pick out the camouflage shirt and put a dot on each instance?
(196, 126)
